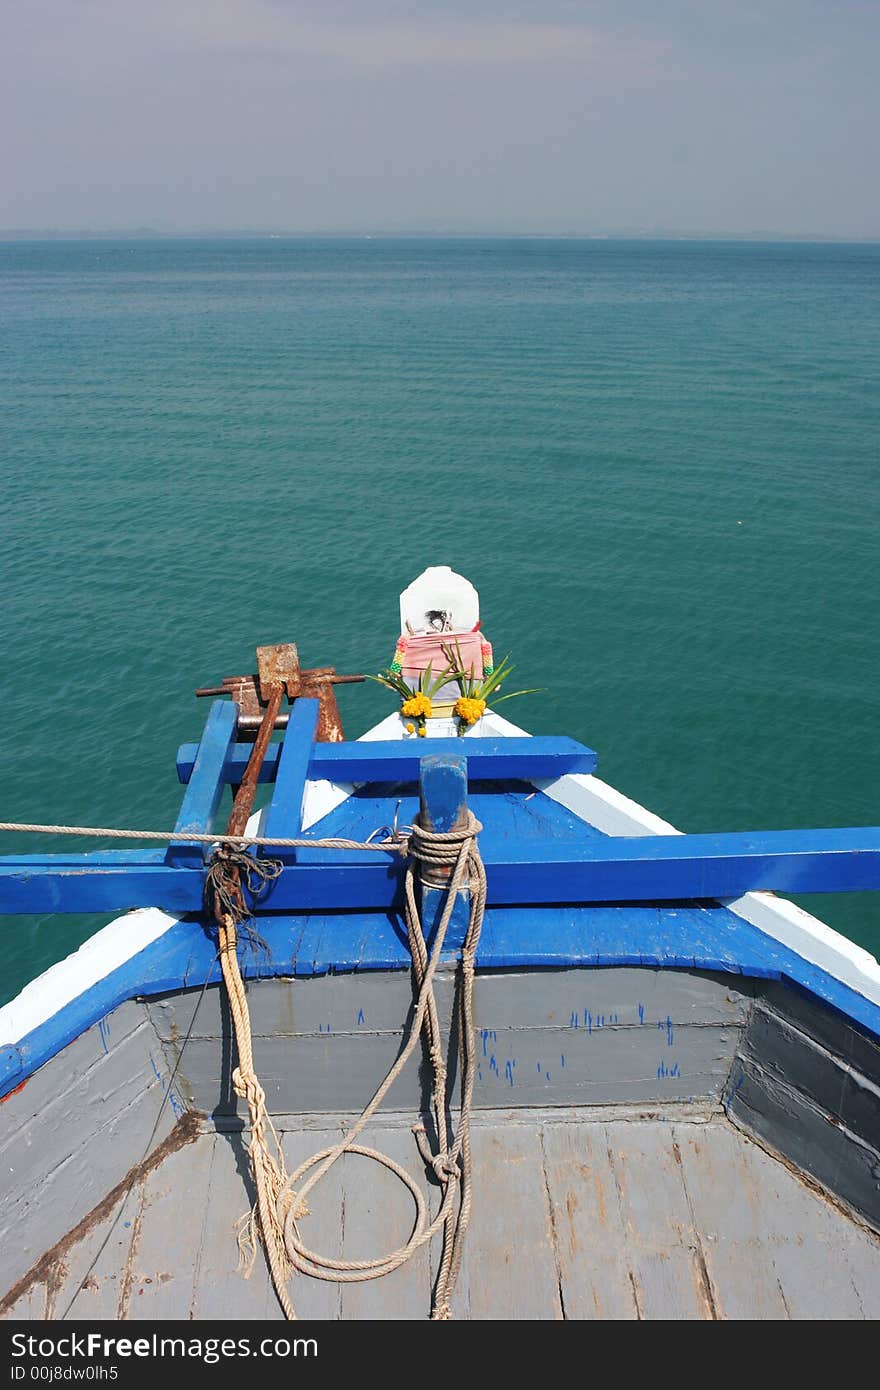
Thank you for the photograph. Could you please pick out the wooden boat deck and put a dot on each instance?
(618, 1215)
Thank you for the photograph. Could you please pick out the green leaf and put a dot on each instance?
(535, 690)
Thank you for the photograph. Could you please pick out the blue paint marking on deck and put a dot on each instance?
(670, 1073)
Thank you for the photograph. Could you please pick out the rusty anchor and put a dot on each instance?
(278, 666)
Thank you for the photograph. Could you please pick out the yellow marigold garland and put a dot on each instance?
(417, 706)
(469, 710)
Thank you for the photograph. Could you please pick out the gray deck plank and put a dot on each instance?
(733, 1224)
(594, 1218)
(659, 1237)
(863, 1259)
(220, 1287)
(94, 1287)
(166, 1255)
(379, 1218)
(509, 1267)
(31, 1307)
(588, 1223)
(60, 1193)
(806, 1234)
(322, 1229)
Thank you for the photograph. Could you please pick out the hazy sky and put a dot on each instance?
(563, 115)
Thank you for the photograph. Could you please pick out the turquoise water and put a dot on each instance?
(657, 461)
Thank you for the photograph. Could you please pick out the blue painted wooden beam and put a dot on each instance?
(663, 868)
(205, 788)
(398, 760)
(104, 881)
(670, 868)
(284, 816)
(442, 807)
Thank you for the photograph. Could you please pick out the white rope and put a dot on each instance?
(281, 1201)
(395, 844)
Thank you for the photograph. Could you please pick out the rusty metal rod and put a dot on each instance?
(244, 798)
(250, 723)
(320, 675)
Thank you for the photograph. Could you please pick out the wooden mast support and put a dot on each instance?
(442, 807)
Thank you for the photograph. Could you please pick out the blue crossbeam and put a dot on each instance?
(398, 760)
(662, 868)
(284, 815)
(204, 791)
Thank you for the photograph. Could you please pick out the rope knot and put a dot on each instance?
(231, 870)
(445, 1168)
(291, 1206)
(247, 1087)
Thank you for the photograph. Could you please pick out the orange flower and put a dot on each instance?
(417, 706)
(469, 710)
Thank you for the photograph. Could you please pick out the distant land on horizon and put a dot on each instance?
(451, 233)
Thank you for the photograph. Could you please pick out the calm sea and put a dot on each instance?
(657, 461)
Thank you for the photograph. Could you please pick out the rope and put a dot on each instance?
(281, 1197)
(186, 837)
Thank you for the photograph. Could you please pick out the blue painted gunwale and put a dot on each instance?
(686, 937)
